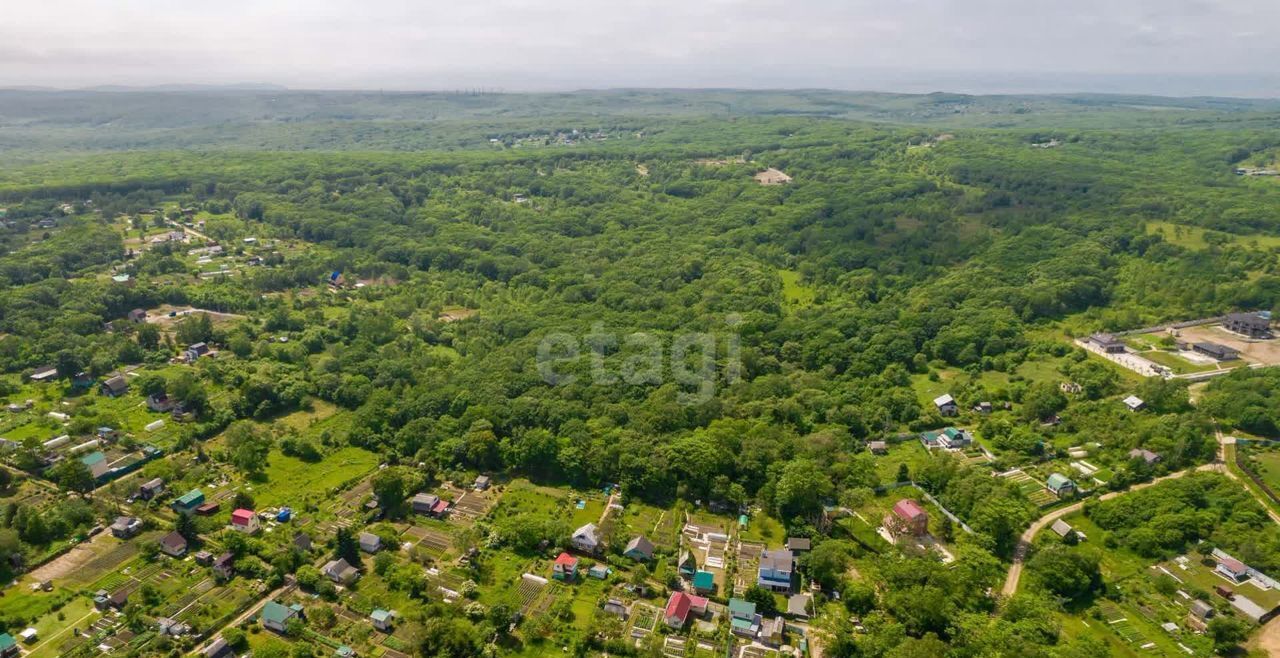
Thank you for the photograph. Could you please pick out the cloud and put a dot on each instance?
(579, 43)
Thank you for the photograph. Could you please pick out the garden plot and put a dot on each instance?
(1032, 488)
(471, 505)
(644, 618)
(1118, 622)
(435, 541)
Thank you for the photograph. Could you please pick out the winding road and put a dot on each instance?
(1024, 542)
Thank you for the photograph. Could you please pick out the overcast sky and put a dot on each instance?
(1178, 46)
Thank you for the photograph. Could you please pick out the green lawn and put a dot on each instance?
(1177, 363)
(290, 480)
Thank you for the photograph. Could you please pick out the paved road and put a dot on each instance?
(1024, 542)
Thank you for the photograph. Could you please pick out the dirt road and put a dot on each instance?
(249, 612)
(1024, 542)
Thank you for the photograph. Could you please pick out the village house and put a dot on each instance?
(1201, 611)
(204, 558)
(302, 542)
(138, 315)
(340, 571)
(681, 606)
(599, 571)
(798, 544)
(151, 488)
(482, 482)
(639, 549)
(586, 538)
(878, 447)
(743, 620)
(244, 520)
(771, 630)
(1062, 529)
(173, 544)
(275, 617)
(776, 570)
(704, 582)
(1247, 324)
(114, 387)
(424, 502)
(125, 527)
(96, 462)
(217, 649)
(188, 502)
(9, 646)
(171, 627)
(565, 567)
(370, 543)
(1134, 403)
(194, 351)
(1060, 485)
(160, 403)
(224, 566)
(949, 438)
(907, 518)
(382, 619)
(1108, 343)
(1232, 569)
(800, 606)
(946, 405)
(1147, 456)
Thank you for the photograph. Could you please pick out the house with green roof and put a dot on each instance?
(188, 502)
(96, 462)
(275, 616)
(8, 646)
(704, 582)
(743, 619)
(949, 438)
(1061, 485)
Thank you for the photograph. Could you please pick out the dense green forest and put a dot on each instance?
(958, 242)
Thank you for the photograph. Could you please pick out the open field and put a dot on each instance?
(291, 481)
(1193, 237)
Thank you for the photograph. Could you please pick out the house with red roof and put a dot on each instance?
(907, 517)
(244, 520)
(1233, 569)
(681, 606)
(440, 508)
(565, 567)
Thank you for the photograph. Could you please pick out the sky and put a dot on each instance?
(1178, 47)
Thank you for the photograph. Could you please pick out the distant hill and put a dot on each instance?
(268, 117)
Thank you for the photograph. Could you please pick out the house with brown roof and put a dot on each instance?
(173, 544)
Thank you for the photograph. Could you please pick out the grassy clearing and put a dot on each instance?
(1268, 467)
(1192, 237)
(289, 480)
(794, 292)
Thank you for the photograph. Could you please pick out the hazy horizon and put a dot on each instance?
(1174, 48)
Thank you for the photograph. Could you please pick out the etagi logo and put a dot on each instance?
(697, 361)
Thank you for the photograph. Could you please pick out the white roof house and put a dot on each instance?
(586, 538)
(1134, 402)
(943, 400)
